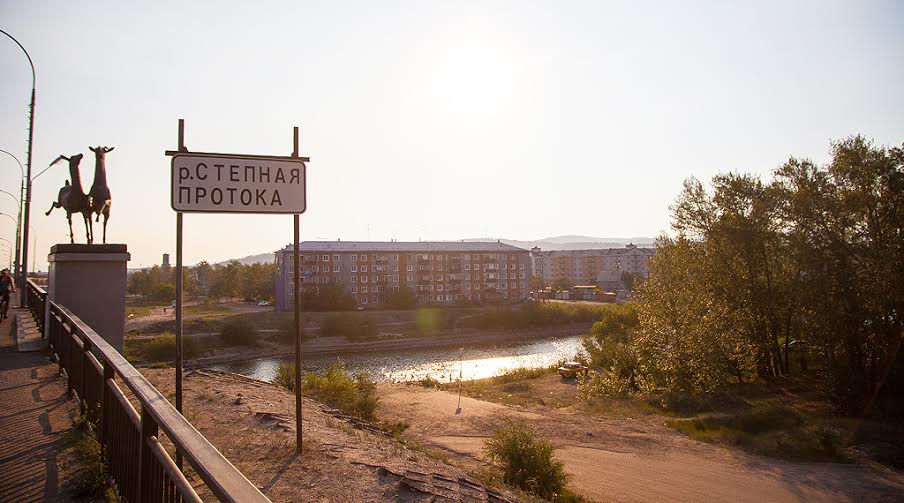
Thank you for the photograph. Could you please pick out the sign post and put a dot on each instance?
(204, 182)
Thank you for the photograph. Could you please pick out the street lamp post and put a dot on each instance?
(18, 267)
(31, 129)
(18, 230)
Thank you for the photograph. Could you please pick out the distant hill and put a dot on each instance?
(260, 258)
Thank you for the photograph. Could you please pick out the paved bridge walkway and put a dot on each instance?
(35, 415)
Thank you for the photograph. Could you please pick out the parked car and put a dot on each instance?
(263, 303)
(572, 369)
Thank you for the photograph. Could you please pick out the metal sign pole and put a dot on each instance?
(179, 299)
(297, 282)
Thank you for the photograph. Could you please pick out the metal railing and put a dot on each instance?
(35, 298)
(140, 466)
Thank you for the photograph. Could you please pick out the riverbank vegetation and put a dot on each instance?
(769, 279)
(353, 394)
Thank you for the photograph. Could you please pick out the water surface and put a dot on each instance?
(443, 364)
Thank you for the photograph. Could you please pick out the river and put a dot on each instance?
(443, 364)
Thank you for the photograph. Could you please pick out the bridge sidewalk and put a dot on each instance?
(35, 415)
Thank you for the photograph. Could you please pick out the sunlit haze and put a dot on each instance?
(437, 120)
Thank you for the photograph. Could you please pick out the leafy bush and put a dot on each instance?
(404, 298)
(285, 375)
(774, 431)
(355, 395)
(286, 333)
(163, 348)
(532, 314)
(239, 331)
(605, 385)
(526, 460)
(350, 325)
(164, 291)
(330, 298)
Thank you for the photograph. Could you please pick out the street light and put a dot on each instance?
(18, 268)
(31, 130)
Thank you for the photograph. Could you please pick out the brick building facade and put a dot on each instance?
(438, 272)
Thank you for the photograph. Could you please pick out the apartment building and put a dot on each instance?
(439, 272)
(601, 267)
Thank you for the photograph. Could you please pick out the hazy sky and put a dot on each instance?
(438, 120)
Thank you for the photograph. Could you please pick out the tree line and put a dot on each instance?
(763, 275)
(218, 281)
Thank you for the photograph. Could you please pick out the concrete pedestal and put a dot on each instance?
(90, 281)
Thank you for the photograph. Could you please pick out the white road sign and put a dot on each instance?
(223, 183)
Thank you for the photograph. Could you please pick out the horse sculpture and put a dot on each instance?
(72, 198)
(100, 193)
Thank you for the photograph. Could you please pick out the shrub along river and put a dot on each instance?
(442, 364)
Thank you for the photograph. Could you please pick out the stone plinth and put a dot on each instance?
(90, 281)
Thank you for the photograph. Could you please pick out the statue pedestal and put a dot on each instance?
(90, 281)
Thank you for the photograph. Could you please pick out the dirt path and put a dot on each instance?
(623, 459)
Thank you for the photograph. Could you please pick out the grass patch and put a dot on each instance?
(520, 374)
(353, 394)
(163, 348)
(137, 308)
(239, 331)
(775, 431)
(91, 477)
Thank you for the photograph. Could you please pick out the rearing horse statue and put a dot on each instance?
(100, 193)
(72, 198)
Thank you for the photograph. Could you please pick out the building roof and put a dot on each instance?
(597, 252)
(403, 246)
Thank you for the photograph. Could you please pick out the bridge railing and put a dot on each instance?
(138, 463)
(35, 300)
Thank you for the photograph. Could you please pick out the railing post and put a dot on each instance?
(83, 380)
(106, 397)
(146, 456)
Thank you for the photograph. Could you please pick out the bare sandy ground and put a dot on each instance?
(625, 459)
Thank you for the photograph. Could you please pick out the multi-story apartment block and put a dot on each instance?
(438, 272)
(601, 267)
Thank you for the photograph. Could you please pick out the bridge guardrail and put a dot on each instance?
(140, 466)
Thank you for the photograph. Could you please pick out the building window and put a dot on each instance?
(354, 279)
(374, 299)
(363, 289)
(354, 289)
(316, 268)
(395, 268)
(522, 275)
(354, 268)
(364, 258)
(363, 268)
(364, 300)
(439, 288)
(326, 280)
(476, 257)
(439, 298)
(410, 268)
(325, 258)
(354, 258)
(376, 278)
(335, 268)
